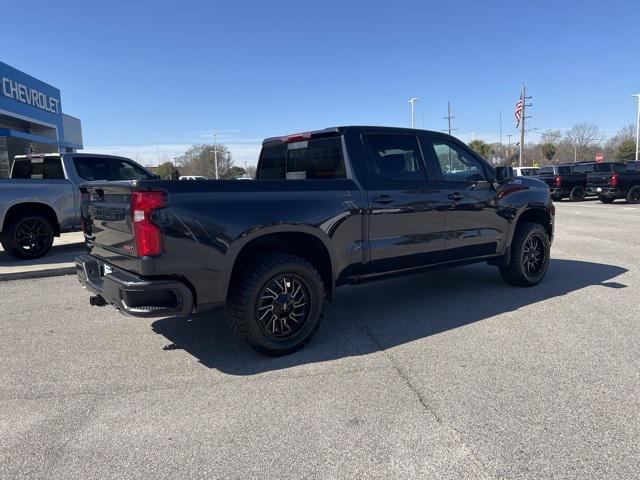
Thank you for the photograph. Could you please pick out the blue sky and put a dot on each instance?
(159, 76)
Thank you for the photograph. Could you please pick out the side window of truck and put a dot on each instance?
(396, 157)
(457, 165)
(316, 159)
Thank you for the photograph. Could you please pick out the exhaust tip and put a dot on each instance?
(97, 301)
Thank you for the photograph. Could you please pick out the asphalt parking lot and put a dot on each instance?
(449, 374)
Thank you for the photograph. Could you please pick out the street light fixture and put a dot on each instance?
(637, 95)
(413, 101)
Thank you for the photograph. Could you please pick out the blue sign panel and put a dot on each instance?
(29, 99)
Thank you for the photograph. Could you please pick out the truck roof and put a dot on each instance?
(57, 155)
(334, 131)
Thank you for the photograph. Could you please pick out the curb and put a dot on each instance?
(51, 272)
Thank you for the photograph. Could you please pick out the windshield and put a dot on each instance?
(109, 169)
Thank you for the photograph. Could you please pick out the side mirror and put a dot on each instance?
(503, 174)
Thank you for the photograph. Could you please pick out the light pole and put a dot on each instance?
(637, 95)
(215, 152)
(413, 101)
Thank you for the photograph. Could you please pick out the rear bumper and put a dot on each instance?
(131, 294)
(605, 191)
(559, 192)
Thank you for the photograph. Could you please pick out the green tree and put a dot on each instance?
(168, 171)
(481, 147)
(548, 150)
(626, 151)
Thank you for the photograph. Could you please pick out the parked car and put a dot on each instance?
(570, 180)
(328, 208)
(526, 171)
(41, 200)
(624, 182)
(192, 177)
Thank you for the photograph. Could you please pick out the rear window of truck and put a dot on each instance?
(316, 159)
(109, 169)
(49, 168)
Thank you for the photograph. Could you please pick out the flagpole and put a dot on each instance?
(523, 96)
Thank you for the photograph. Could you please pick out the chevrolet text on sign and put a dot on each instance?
(30, 96)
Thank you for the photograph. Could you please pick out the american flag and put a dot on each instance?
(518, 112)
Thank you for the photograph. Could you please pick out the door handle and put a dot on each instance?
(383, 199)
(456, 196)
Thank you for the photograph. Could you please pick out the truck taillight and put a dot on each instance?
(614, 180)
(558, 181)
(147, 235)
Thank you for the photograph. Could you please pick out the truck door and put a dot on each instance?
(406, 216)
(473, 225)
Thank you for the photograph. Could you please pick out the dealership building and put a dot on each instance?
(31, 119)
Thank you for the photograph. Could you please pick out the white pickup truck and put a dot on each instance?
(41, 200)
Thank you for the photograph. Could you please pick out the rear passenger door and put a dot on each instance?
(405, 205)
(473, 226)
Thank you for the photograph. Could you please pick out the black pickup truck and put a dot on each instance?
(570, 180)
(624, 182)
(328, 208)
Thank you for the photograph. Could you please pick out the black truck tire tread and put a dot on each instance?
(239, 299)
(632, 195)
(513, 274)
(577, 194)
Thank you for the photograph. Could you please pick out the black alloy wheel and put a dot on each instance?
(529, 256)
(634, 195)
(533, 255)
(275, 303)
(28, 237)
(283, 306)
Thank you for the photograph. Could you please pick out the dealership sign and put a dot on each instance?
(30, 96)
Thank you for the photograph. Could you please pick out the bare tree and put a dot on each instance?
(200, 160)
(553, 137)
(251, 171)
(585, 138)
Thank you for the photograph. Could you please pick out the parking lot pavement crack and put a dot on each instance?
(453, 433)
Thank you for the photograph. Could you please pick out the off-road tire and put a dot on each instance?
(604, 199)
(633, 195)
(577, 194)
(244, 293)
(515, 273)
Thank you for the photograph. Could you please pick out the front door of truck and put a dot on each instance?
(473, 225)
(406, 209)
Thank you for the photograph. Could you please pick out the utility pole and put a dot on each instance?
(524, 98)
(215, 152)
(637, 95)
(448, 118)
(413, 101)
(501, 144)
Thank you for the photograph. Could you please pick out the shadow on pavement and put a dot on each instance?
(366, 318)
(57, 254)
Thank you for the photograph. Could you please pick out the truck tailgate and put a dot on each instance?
(599, 179)
(106, 215)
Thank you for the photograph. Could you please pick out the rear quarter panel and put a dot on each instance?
(208, 223)
(57, 194)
